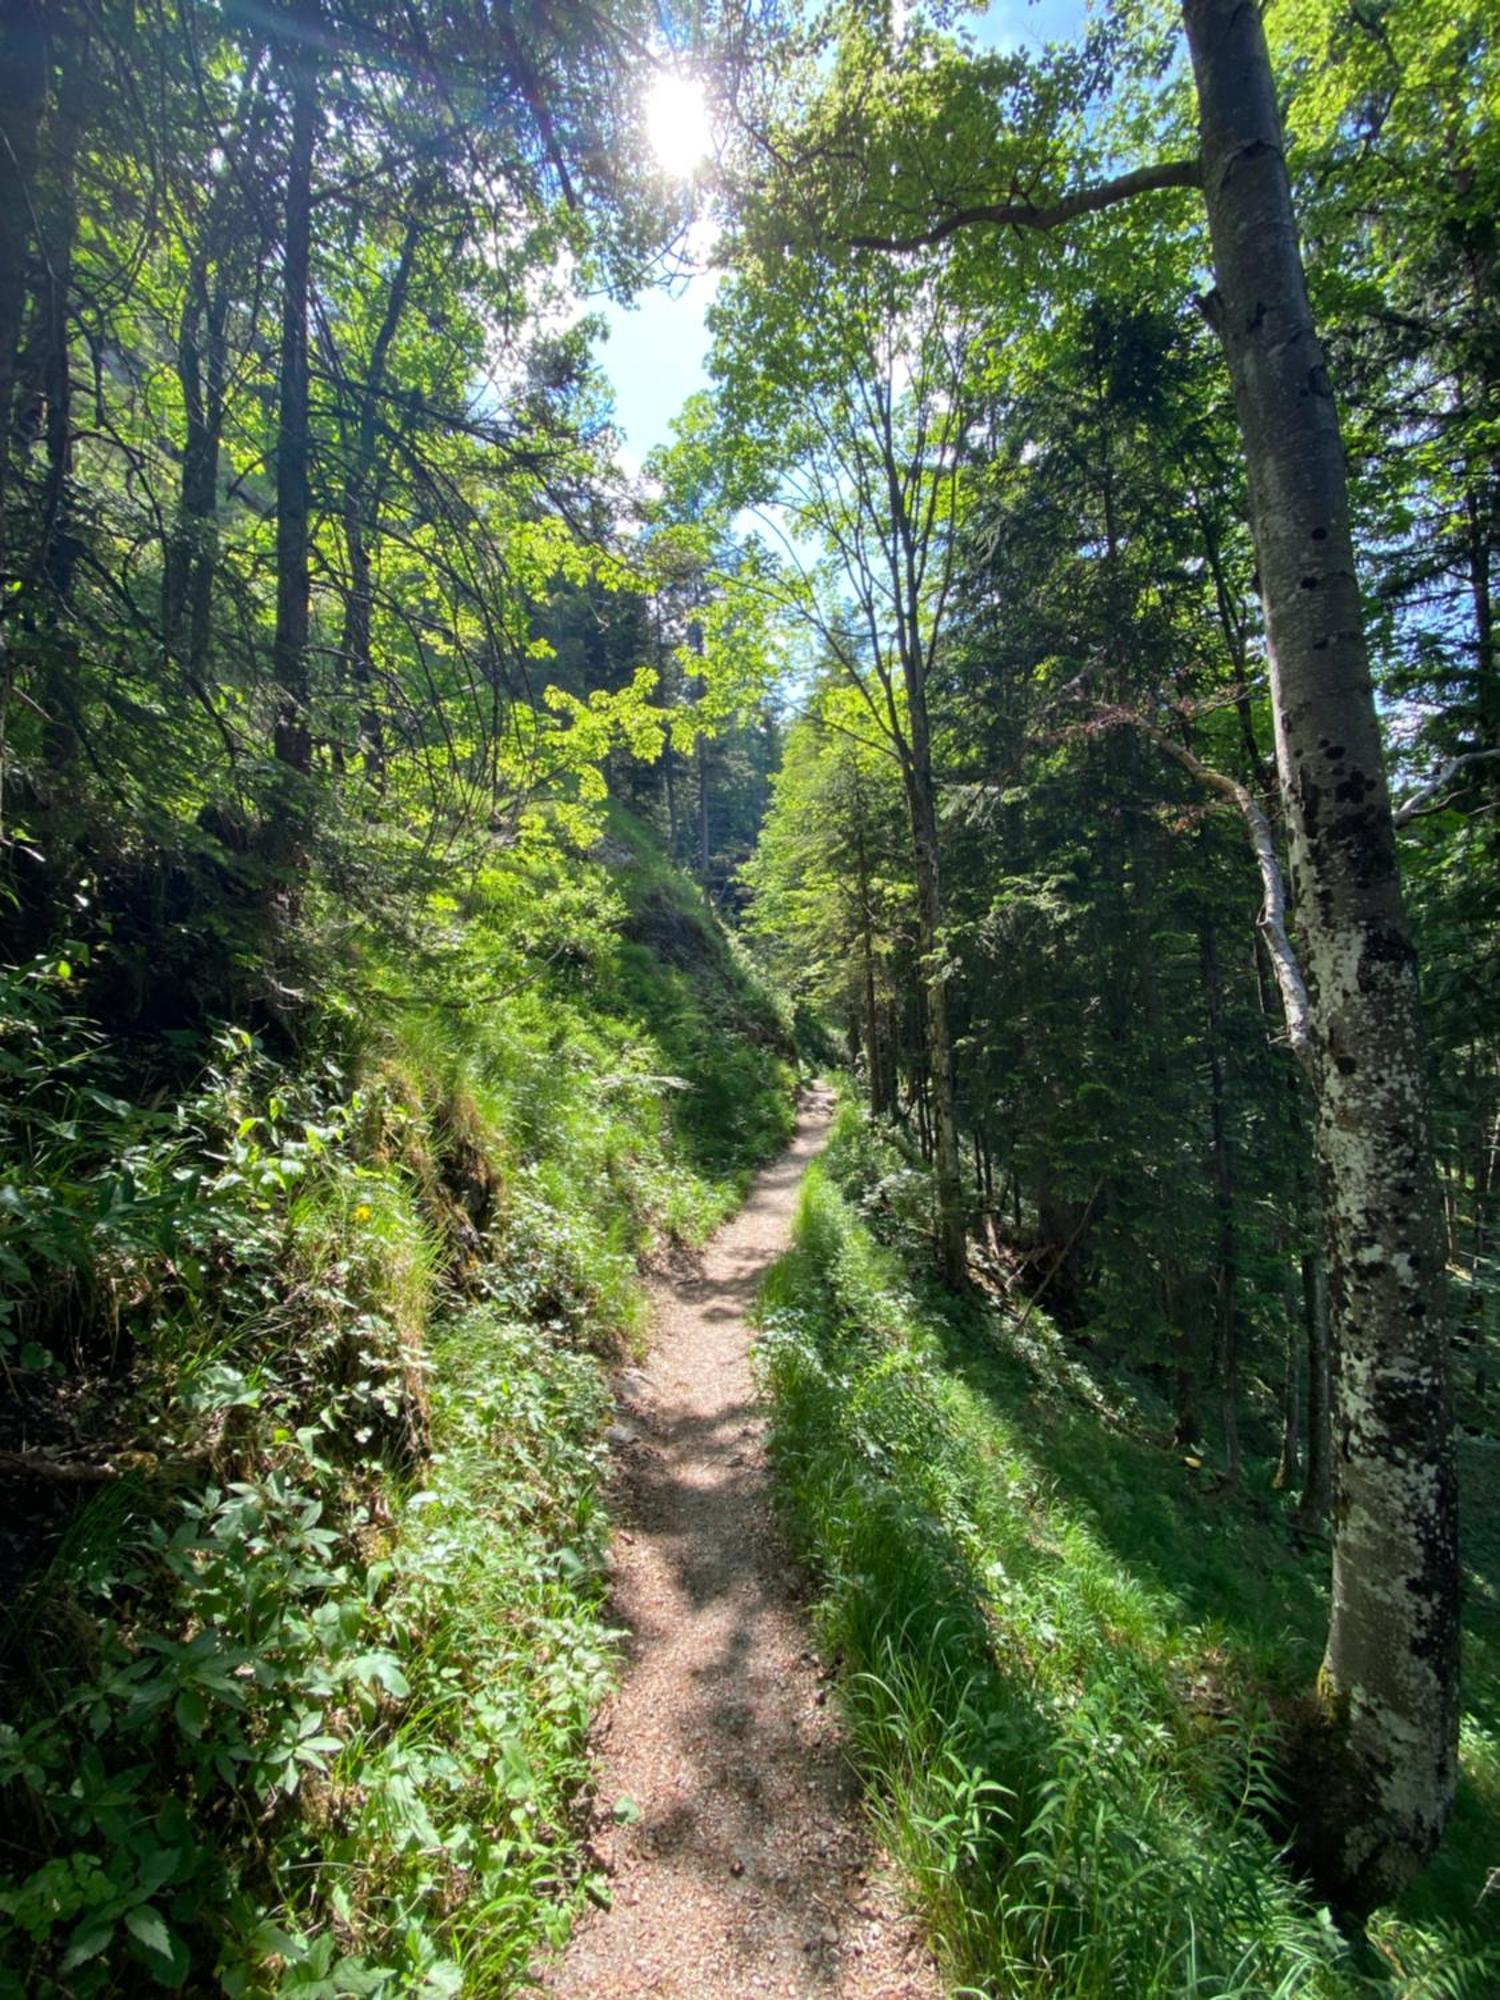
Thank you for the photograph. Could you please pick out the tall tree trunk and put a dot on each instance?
(1293, 1385)
(58, 544)
(361, 503)
(1477, 1311)
(703, 840)
(24, 66)
(921, 805)
(700, 759)
(1317, 1483)
(872, 1022)
(666, 681)
(191, 557)
(669, 764)
(878, 1105)
(191, 562)
(953, 1254)
(1381, 1776)
(1486, 677)
(1226, 1326)
(1186, 1421)
(203, 569)
(293, 734)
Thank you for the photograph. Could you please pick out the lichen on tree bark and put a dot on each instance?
(1381, 1785)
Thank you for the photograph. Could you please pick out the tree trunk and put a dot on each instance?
(191, 557)
(361, 505)
(204, 565)
(191, 562)
(1486, 679)
(1289, 1463)
(23, 96)
(703, 841)
(1226, 1325)
(872, 1023)
(58, 542)
(669, 761)
(1317, 1485)
(1379, 1785)
(293, 734)
(1477, 1311)
(953, 1253)
(878, 1104)
(916, 773)
(1186, 1421)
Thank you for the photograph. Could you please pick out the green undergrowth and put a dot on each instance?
(310, 1329)
(1061, 1660)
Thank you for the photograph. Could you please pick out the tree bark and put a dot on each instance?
(1226, 1317)
(1317, 1484)
(1186, 1420)
(1486, 680)
(58, 539)
(1476, 1314)
(1380, 1783)
(24, 65)
(191, 561)
(192, 553)
(952, 1231)
(878, 1105)
(293, 734)
(361, 503)
(1289, 1463)
(703, 837)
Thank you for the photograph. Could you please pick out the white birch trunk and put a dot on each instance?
(1381, 1783)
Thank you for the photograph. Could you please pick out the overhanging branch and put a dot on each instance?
(1086, 200)
(1421, 802)
(1272, 920)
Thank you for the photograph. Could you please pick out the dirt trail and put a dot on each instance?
(748, 1871)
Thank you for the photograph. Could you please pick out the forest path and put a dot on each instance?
(749, 1870)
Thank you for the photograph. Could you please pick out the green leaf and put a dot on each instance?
(145, 1925)
(160, 1943)
(191, 1711)
(90, 1938)
(384, 1671)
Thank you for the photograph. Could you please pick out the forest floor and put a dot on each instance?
(729, 1816)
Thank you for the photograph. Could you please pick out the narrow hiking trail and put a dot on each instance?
(749, 1870)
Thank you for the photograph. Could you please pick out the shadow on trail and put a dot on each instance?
(743, 1867)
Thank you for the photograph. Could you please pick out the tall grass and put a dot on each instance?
(1075, 1767)
(298, 1702)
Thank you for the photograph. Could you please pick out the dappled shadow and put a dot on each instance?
(746, 1867)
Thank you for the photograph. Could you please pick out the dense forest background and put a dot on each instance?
(381, 766)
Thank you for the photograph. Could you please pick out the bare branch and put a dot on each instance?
(1086, 200)
(1272, 920)
(1420, 802)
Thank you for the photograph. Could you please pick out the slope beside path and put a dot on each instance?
(730, 1818)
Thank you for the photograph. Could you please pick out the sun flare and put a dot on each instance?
(678, 124)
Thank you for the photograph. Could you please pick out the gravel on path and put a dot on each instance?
(729, 1818)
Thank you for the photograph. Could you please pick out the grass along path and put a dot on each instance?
(1063, 1658)
(729, 1818)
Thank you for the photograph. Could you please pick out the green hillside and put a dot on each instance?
(306, 1341)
